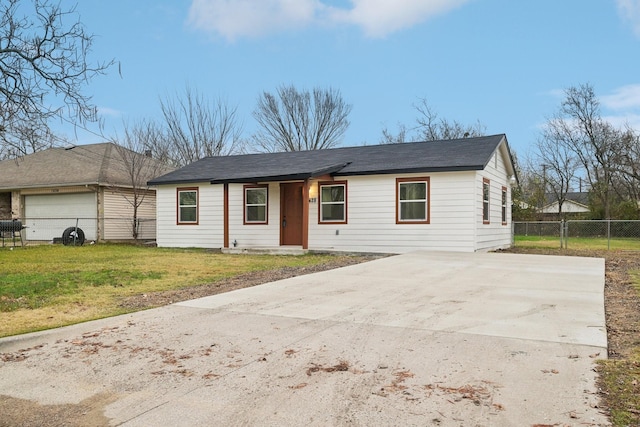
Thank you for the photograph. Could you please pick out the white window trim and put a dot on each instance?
(265, 204)
(321, 220)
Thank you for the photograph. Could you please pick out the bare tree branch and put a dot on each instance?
(196, 128)
(296, 120)
(595, 142)
(135, 149)
(430, 127)
(43, 70)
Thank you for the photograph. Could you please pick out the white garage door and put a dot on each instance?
(47, 216)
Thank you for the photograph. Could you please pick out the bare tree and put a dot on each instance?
(389, 137)
(43, 69)
(528, 196)
(559, 165)
(197, 128)
(595, 142)
(628, 167)
(135, 149)
(293, 120)
(430, 127)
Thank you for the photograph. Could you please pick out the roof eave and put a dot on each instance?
(466, 168)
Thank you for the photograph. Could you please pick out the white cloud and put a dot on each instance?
(622, 98)
(378, 18)
(629, 10)
(107, 111)
(233, 19)
(623, 105)
(251, 18)
(623, 120)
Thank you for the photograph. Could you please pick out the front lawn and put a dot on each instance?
(578, 243)
(47, 286)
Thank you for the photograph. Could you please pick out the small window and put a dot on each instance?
(333, 202)
(412, 200)
(504, 205)
(485, 200)
(255, 204)
(187, 205)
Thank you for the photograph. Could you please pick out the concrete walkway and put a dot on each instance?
(420, 339)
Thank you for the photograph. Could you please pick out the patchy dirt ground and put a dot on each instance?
(247, 280)
(25, 413)
(622, 316)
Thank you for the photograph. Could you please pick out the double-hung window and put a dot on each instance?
(187, 206)
(486, 195)
(412, 200)
(333, 202)
(255, 204)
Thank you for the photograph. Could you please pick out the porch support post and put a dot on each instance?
(226, 215)
(305, 214)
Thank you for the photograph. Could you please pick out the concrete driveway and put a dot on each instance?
(420, 339)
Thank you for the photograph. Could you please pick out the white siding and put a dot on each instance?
(455, 215)
(371, 215)
(254, 235)
(117, 215)
(568, 206)
(494, 235)
(208, 233)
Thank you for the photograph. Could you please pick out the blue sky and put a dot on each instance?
(504, 63)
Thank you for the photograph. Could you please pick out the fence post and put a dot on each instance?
(561, 233)
(608, 234)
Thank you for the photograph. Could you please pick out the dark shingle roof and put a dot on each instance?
(572, 196)
(432, 156)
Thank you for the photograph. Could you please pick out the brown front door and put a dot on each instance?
(291, 213)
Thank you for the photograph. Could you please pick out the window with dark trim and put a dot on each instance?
(504, 205)
(333, 202)
(486, 195)
(412, 200)
(187, 205)
(256, 204)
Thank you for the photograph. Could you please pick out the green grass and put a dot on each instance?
(580, 243)
(48, 286)
(621, 380)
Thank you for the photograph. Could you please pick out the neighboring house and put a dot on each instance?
(443, 195)
(576, 204)
(87, 185)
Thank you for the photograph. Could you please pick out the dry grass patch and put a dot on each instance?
(48, 286)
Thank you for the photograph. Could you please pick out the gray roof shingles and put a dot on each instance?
(432, 156)
(78, 165)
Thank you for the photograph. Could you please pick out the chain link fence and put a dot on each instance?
(93, 229)
(578, 234)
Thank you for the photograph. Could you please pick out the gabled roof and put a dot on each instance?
(89, 164)
(433, 156)
(581, 198)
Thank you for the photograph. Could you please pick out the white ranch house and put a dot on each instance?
(452, 195)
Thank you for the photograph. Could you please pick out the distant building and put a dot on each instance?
(575, 205)
(84, 185)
